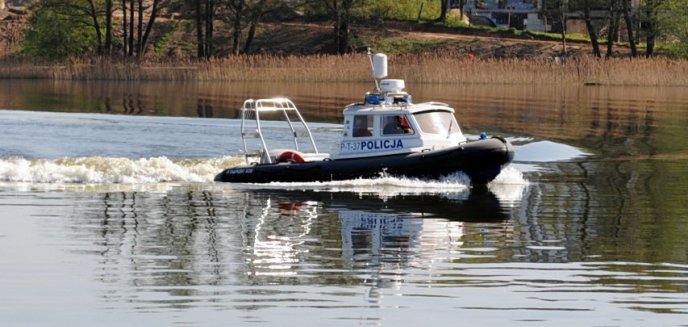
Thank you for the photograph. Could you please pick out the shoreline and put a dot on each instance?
(452, 68)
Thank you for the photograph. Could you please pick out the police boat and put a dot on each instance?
(386, 133)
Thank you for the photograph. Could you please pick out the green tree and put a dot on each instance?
(399, 10)
(672, 24)
(57, 32)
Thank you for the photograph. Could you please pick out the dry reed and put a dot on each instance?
(429, 68)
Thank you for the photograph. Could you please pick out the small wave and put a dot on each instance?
(385, 185)
(509, 186)
(548, 151)
(108, 170)
(509, 176)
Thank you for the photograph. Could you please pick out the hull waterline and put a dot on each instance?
(481, 160)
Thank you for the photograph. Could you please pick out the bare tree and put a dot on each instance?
(651, 23)
(203, 13)
(200, 35)
(139, 30)
(591, 29)
(341, 10)
(556, 11)
(134, 35)
(93, 13)
(109, 7)
(444, 8)
(462, 3)
(125, 34)
(613, 29)
(130, 41)
(247, 14)
(209, 27)
(340, 13)
(255, 14)
(237, 8)
(629, 26)
(155, 7)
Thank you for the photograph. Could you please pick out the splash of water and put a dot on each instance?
(108, 170)
(509, 176)
(111, 171)
(509, 186)
(384, 184)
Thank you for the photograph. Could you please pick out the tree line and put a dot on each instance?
(63, 28)
(640, 21)
(60, 28)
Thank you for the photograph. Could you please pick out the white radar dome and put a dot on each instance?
(392, 85)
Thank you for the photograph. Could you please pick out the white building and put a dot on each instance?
(522, 14)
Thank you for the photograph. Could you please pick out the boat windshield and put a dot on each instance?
(437, 122)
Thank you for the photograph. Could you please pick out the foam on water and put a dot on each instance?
(108, 170)
(385, 184)
(509, 185)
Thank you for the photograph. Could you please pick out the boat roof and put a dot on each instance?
(370, 109)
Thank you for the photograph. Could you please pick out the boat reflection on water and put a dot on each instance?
(382, 240)
(476, 205)
(289, 231)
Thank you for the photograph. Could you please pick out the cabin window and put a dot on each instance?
(395, 124)
(363, 126)
(437, 122)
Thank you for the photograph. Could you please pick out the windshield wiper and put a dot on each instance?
(451, 123)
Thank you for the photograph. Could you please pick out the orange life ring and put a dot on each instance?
(290, 156)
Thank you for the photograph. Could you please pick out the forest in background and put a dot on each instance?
(204, 29)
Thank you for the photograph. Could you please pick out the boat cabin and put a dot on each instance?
(389, 123)
(385, 123)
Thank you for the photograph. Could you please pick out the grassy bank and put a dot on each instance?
(424, 68)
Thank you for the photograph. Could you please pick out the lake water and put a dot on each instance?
(109, 216)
